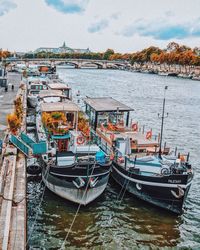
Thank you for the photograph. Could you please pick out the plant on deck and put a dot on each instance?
(55, 122)
(83, 125)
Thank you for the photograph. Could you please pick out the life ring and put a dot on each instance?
(182, 158)
(80, 140)
(135, 127)
(149, 135)
(165, 171)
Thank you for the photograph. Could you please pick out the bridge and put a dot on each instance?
(77, 63)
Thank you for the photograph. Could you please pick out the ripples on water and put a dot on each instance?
(106, 223)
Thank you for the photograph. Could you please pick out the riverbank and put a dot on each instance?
(13, 181)
(186, 71)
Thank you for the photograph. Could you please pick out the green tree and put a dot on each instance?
(108, 53)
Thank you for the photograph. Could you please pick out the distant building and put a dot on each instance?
(62, 49)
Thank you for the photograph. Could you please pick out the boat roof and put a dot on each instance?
(106, 104)
(50, 93)
(60, 106)
(37, 79)
(58, 86)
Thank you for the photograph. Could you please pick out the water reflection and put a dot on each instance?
(105, 223)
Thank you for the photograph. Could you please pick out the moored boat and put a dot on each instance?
(140, 165)
(34, 86)
(74, 168)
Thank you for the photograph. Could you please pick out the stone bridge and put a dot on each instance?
(77, 63)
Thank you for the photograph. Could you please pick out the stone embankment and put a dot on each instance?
(13, 187)
(190, 72)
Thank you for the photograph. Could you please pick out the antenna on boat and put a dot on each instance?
(162, 123)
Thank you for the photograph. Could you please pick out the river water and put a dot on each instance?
(130, 224)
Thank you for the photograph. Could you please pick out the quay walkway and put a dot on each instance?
(13, 182)
(7, 98)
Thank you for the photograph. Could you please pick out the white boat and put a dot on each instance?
(34, 86)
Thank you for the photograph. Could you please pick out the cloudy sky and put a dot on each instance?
(124, 25)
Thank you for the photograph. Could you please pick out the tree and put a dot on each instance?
(108, 53)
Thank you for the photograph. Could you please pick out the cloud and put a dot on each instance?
(162, 29)
(98, 26)
(68, 6)
(6, 6)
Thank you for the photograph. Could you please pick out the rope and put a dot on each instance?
(66, 237)
(125, 188)
(63, 244)
(122, 188)
(15, 203)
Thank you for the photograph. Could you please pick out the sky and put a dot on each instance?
(123, 25)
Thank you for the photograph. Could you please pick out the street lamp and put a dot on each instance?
(162, 123)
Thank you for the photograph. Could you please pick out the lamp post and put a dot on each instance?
(162, 122)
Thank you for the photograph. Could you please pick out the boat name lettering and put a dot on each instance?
(174, 181)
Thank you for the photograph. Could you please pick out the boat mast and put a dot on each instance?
(162, 123)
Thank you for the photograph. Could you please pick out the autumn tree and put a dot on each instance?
(108, 53)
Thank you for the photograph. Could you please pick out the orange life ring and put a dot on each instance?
(80, 140)
(135, 127)
(149, 135)
(182, 158)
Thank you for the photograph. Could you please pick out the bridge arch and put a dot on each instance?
(67, 63)
(85, 64)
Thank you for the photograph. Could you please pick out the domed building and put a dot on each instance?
(62, 49)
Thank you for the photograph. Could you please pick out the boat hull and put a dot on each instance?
(32, 101)
(63, 184)
(159, 191)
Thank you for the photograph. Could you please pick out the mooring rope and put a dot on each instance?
(125, 189)
(67, 235)
(63, 244)
(124, 186)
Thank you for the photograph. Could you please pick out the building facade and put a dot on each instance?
(62, 49)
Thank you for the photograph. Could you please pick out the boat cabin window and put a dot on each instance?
(70, 118)
(52, 99)
(113, 118)
(66, 93)
(34, 92)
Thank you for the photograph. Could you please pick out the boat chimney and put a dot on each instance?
(175, 151)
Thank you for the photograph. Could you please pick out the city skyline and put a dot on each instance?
(125, 26)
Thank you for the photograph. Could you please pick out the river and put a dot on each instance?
(132, 224)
